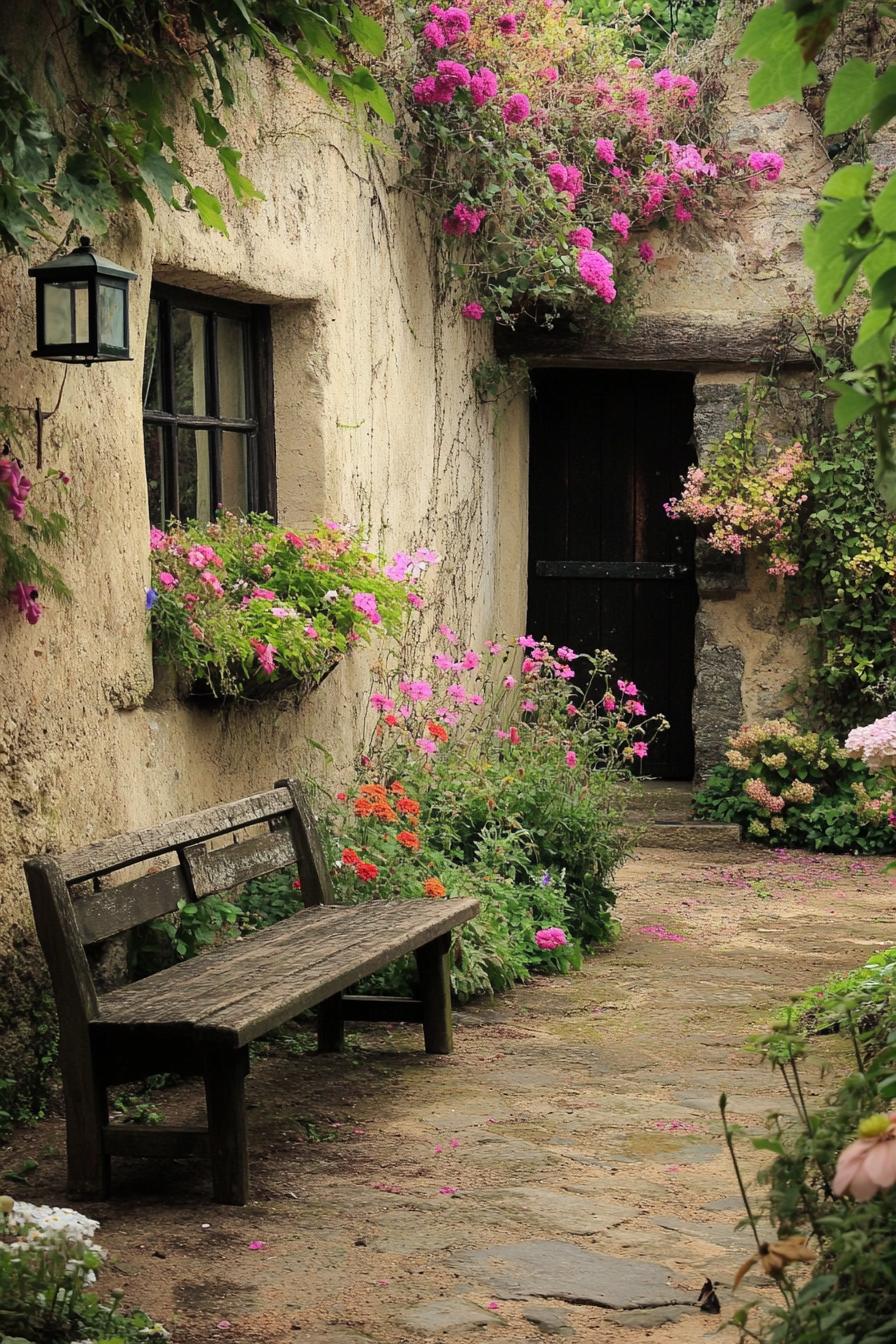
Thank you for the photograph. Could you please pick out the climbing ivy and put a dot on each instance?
(103, 134)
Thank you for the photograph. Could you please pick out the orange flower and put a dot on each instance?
(397, 788)
(408, 839)
(367, 872)
(409, 807)
(373, 790)
(437, 731)
(433, 887)
(363, 807)
(383, 812)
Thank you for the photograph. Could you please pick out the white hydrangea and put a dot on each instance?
(875, 743)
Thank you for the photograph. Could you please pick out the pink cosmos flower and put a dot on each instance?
(427, 746)
(627, 687)
(646, 253)
(474, 311)
(167, 580)
(381, 703)
(868, 1164)
(447, 633)
(597, 273)
(566, 655)
(470, 661)
(265, 655)
(528, 706)
(424, 556)
(516, 110)
(415, 600)
(620, 223)
(24, 596)
(640, 749)
(158, 540)
(571, 759)
(493, 647)
(509, 682)
(605, 151)
(416, 690)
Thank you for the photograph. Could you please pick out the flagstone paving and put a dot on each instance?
(582, 1188)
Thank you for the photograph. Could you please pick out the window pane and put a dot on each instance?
(65, 313)
(152, 366)
(235, 471)
(111, 317)
(188, 339)
(154, 453)
(232, 398)
(194, 477)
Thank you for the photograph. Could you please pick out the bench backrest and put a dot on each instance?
(72, 910)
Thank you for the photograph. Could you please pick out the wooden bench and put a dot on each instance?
(200, 1016)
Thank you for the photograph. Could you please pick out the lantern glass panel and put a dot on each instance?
(112, 315)
(66, 313)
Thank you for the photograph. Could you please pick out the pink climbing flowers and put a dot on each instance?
(554, 166)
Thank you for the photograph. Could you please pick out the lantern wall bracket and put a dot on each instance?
(41, 416)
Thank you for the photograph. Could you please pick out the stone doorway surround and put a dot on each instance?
(744, 656)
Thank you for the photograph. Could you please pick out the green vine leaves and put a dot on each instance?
(853, 239)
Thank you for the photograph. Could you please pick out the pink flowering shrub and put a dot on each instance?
(785, 786)
(533, 122)
(242, 605)
(745, 497)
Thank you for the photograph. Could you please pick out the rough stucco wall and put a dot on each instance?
(376, 421)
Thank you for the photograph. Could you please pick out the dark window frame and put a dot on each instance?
(258, 427)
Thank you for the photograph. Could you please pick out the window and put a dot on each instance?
(207, 399)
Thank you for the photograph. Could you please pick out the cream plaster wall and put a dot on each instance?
(376, 422)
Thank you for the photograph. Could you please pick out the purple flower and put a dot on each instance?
(152, 598)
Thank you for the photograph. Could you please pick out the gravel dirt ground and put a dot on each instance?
(562, 1173)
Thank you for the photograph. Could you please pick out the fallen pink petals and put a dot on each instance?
(661, 932)
(447, 1189)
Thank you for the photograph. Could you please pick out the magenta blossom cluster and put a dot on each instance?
(463, 219)
(15, 486)
(548, 940)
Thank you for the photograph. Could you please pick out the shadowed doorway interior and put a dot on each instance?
(607, 568)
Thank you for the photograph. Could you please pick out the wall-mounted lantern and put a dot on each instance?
(82, 315)
(82, 308)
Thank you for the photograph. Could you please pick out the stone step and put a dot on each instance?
(705, 835)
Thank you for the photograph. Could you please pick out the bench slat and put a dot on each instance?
(107, 855)
(238, 992)
(215, 870)
(102, 914)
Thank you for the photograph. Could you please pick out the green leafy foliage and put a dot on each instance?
(844, 593)
(850, 1295)
(864, 997)
(792, 788)
(853, 240)
(649, 27)
(108, 135)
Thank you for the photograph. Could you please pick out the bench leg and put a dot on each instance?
(435, 994)
(86, 1115)
(224, 1072)
(330, 1026)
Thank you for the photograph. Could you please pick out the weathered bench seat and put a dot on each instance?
(201, 1015)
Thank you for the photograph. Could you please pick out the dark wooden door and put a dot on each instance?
(607, 568)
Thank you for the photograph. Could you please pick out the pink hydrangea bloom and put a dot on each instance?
(620, 223)
(474, 311)
(517, 109)
(875, 743)
(580, 237)
(597, 273)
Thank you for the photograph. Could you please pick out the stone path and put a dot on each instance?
(562, 1174)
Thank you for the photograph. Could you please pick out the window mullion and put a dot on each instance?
(213, 406)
